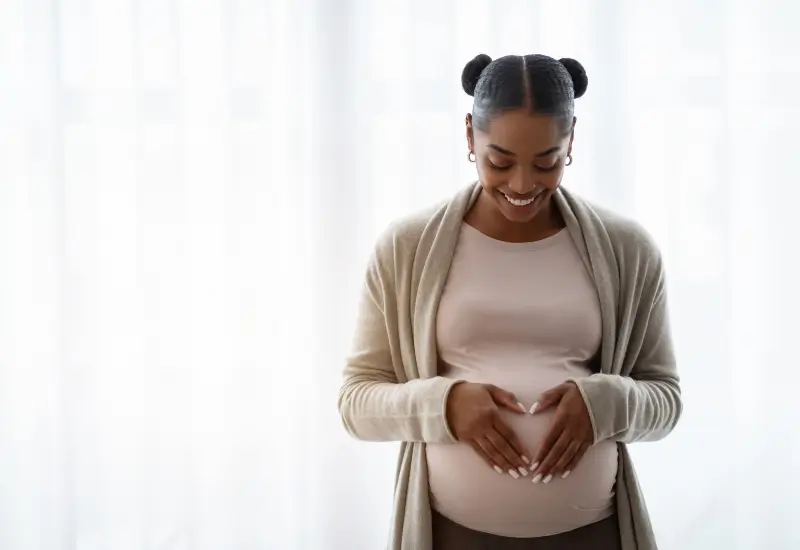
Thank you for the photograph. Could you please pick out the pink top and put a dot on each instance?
(525, 317)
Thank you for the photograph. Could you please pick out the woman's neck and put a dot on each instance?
(486, 218)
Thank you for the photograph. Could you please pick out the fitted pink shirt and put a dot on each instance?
(525, 317)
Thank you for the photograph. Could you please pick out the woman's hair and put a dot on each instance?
(536, 82)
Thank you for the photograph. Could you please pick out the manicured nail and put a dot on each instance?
(521, 406)
(547, 479)
(534, 407)
(513, 473)
(534, 466)
(566, 474)
(537, 479)
(525, 459)
(522, 471)
(498, 469)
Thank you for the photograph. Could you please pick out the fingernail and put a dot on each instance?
(547, 479)
(513, 473)
(525, 459)
(522, 471)
(566, 474)
(534, 407)
(521, 406)
(498, 469)
(534, 466)
(537, 479)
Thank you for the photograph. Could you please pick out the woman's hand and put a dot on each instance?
(474, 417)
(570, 434)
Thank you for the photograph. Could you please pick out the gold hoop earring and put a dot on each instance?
(471, 157)
(569, 160)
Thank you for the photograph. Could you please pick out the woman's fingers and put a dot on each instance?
(498, 462)
(544, 472)
(549, 440)
(506, 399)
(576, 459)
(563, 463)
(499, 446)
(504, 448)
(500, 455)
(485, 457)
(517, 446)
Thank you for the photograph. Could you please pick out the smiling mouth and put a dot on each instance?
(521, 202)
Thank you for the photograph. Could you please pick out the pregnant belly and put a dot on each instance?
(466, 490)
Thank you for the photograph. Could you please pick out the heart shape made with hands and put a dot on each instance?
(569, 437)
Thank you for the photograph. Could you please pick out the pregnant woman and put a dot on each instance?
(515, 339)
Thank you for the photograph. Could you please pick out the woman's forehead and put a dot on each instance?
(524, 133)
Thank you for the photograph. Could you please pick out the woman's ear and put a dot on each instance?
(470, 136)
(572, 135)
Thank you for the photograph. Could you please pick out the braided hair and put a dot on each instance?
(539, 83)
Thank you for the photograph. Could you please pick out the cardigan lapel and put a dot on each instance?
(592, 241)
(431, 266)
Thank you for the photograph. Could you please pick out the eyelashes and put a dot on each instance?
(505, 168)
(498, 168)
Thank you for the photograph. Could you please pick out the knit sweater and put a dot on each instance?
(392, 392)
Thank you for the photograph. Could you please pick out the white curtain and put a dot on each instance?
(189, 190)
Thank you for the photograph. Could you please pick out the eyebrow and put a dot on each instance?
(512, 154)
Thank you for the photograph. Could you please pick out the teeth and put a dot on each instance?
(518, 202)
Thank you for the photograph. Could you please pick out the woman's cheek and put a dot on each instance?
(553, 180)
(491, 178)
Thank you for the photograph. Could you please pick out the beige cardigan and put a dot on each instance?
(391, 391)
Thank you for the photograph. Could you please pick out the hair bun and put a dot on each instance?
(579, 79)
(472, 72)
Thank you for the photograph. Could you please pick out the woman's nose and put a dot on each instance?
(523, 182)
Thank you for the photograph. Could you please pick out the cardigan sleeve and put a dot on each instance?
(645, 404)
(376, 404)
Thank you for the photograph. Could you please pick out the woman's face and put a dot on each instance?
(520, 161)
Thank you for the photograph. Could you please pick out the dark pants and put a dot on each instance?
(448, 535)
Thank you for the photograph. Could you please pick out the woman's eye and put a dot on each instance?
(548, 169)
(500, 167)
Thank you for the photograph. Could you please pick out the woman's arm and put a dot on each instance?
(645, 405)
(373, 403)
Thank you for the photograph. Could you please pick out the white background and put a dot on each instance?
(189, 190)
